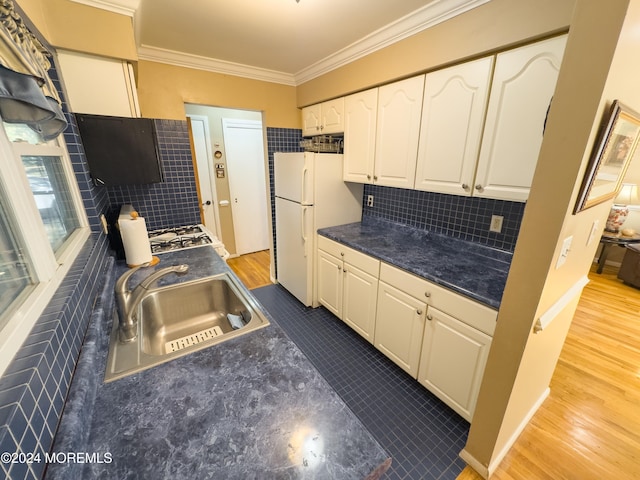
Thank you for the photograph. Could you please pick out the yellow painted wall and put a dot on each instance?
(490, 27)
(164, 89)
(73, 26)
(521, 363)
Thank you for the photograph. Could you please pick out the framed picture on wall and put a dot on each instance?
(612, 153)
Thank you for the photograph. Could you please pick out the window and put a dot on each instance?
(15, 268)
(42, 228)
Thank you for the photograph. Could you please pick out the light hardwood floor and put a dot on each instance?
(252, 269)
(589, 426)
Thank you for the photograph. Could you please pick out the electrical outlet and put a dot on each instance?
(496, 223)
(369, 200)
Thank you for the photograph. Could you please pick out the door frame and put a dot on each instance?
(209, 161)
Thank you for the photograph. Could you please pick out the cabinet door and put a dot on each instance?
(333, 116)
(329, 278)
(98, 85)
(359, 301)
(360, 115)
(397, 132)
(453, 109)
(453, 360)
(399, 327)
(523, 85)
(311, 120)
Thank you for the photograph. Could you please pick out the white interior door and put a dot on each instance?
(206, 181)
(244, 145)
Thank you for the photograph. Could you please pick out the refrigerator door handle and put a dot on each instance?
(303, 216)
(303, 193)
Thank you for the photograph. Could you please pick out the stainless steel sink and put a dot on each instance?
(182, 318)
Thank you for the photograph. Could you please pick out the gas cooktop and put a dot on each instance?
(179, 238)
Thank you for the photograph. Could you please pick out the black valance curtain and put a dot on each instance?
(27, 94)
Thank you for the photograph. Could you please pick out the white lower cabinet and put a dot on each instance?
(329, 281)
(452, 362)
(437, 336)
(399, 327)
(347, 285)
(359, 300)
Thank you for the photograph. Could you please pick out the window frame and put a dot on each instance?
(49, 268)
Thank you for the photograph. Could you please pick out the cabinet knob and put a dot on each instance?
(479, 187)
(427, 294)
(465, 186)
(342, 254)
(339, 268)
(368, 177)
(429, 317)
(375, 178)
(419, 312)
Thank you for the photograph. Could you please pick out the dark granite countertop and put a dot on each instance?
(252, 407)
(471, 269)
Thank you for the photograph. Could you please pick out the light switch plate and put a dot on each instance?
(564, 251)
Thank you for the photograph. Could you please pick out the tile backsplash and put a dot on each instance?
(461, 217)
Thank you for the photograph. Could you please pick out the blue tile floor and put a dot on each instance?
(420, 433)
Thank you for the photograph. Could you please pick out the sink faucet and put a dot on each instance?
(127, 301)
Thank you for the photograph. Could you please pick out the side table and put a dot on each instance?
(609, 239)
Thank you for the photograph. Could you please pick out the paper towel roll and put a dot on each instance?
(135, 240)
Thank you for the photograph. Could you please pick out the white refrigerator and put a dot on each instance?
(310, 194)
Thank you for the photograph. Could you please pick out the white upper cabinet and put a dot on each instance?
(523, 84)
(453, 111)
(323, 118)
(360, 116)
(311, 120)
(98, 85)
(397, 132)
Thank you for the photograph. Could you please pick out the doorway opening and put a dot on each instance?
(232, 173)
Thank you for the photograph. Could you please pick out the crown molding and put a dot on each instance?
(180, 59)
(123, 7)
(423, 18)
(428, 16)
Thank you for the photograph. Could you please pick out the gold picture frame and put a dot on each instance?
(611, 156)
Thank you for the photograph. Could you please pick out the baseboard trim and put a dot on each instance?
(483, 470)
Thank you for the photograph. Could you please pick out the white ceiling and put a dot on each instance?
(285, 41)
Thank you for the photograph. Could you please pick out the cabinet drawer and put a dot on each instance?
(360, 260)
(468, 311)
